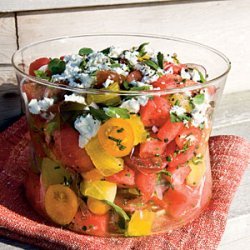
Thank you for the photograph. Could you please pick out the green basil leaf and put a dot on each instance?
(160, 59)
(41, 74)
(98, 114)
(199, 99)
(85, 51)
(119, 210)
(151, 64)
(117, 112)
(126, 85)
(56, 66)
(165, 172)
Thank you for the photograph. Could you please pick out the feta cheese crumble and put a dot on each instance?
(88, 127)
(35, 106)
(133, 104)
(132, 57)
(107, 82)
(179, 111)
(74, 98)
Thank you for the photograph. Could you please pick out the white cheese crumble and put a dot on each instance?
(72, 73)
(133, 104)
(107, 82)
(122, 70)
(35, 106)
(141, 84)
(149, 75)
(97, 61)
(115, 52)
(132, 57)
(179, 111)
(87, 127)
(74, 98)
(185, 74)
(195, 75)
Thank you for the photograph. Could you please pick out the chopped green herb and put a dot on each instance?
(202, 78)
(84, 228)
(117, 112)
(168, 158)
(83, 64)
(177, 103)
(41, 74)
(105, 51)
(151, 64)
(85, 51)
(165, 172)
(115, 65)
(56, 66)
(141, 49)
(57, 167)
(199, 99)
(120, 130)
(118, 210)
(160, 59)
(118, 142)
(141, 88)
(166, 140)
(126, 85)
(128, 174)
(180, 118)
(98, 114)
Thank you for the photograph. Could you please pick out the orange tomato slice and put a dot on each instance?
(116, 137)
(61, 204)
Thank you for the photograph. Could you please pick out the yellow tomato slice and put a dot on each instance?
(116, 137)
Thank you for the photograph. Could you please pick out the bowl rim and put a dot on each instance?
(123, 92)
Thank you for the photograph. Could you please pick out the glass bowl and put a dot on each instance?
(146, 171)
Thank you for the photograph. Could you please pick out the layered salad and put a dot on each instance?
(119, 140)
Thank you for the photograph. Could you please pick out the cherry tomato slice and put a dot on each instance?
(188, 136)
(116, 137)
(168, 81)
(135, 75)
(38, 63)
(152, 148)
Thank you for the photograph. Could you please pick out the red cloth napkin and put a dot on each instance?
(229, 159)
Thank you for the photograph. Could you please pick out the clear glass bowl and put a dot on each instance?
(144, 192)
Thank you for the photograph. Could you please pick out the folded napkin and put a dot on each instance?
(229, 159)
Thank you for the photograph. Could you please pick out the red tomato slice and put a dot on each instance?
(69, 153)
(155, 112)
(135, 75)
(177, 201)
(38, 63)
(171, 147)
(176, 68)
(146, 184)
(169, 130)
(125, 177)
(190, 136)
(179, 175)
(152, 148)
(89, 223)
(168, 81)
(33, 91)
(146, 165)
(182, 157)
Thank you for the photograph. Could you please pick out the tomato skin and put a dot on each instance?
(38, 63)
(191, 135)
(103, 75)
(68, 152)
(176, 67)
(171, 147)
(135, 75)
(177, 201)
(181, 157)
(152, 148)
(89, 223)
(169, 130)
(146, 184)
(179, 175)
(146, 165)
(155, 112)
(126, 177)
(168, 81)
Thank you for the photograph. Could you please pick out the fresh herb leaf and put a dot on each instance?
(165, 172)
(115, 65)
(141, 88)
(41, 74)
(151, 64)
(160, 59)
(85, 51)
(98, 114)
(105, 51)
(180, 118)
(119, 210)
(202, 78)
(141, 49)
(117, 112)
(126, 85)
(83, 64)
(56, 66)
(199, 99)
(168, 158)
